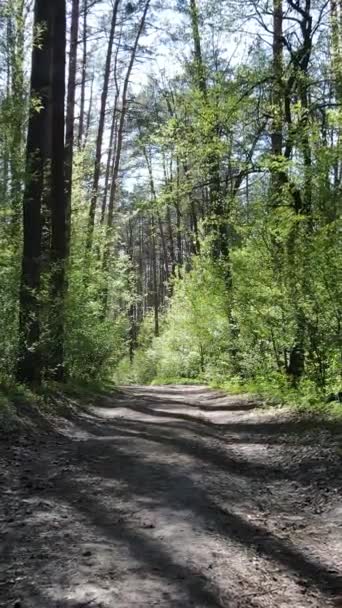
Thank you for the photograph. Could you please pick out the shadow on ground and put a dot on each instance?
(187, 511)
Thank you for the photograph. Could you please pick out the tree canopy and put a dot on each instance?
(171, 194)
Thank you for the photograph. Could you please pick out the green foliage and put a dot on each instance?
(167, 380)
(143, 368)
(206, 164)
(94, 343)
(194, 331)
(195, 328)
(8, 319)
(14, 398)
(258, 317)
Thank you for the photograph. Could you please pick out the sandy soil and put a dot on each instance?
(171, 497)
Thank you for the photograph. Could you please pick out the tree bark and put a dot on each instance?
(84, 74)
(115, 176)
(155, 201)
(217, 225)
(154, 276)
(336, 46)
(301, 198)
(18, 116)
(70, 115)
(110, 159)
(200, 76)
(29, 368)
(89, 113)
(59, 206)
(99, 141)
(277, 174)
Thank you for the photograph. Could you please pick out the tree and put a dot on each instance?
(277, 101)
(44, 191)
(71, 98)
(217, 219)
(99, 140)
(58, 199)
(119, 144)
(189, 215)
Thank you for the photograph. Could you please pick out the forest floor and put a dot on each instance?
(171, 497)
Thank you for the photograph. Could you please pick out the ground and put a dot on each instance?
(171, 497)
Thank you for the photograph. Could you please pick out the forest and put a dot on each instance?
(170, 303)
(171, 192)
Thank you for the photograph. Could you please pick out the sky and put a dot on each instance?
(168, 43)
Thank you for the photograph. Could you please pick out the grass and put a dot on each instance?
(82, 389)
(275, 392)
(304, 400)
(160, 380)
(14, 398)
(21, 406)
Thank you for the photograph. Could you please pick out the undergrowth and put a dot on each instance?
(165, 380)
(300, 399)
(22, 407)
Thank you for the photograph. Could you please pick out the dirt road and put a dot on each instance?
(172, 497)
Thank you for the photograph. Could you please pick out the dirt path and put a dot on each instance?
(172, 497)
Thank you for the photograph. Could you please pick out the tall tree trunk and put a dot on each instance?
(336, 46)
(115, 176)
(196, 246)
(110, 160)
(154, 276)
(336, 69)
(89, 112)
(6, 144)
(171, 244)
(199, 71)
(18, 115)
(70, 114)
(302, 200)
(218, 223)
(277, 175)
(37, 157)
(155, 201)
(58, 200)
(132, 308)
(113, 137)
(124, 108)
(84, 73)
(99, 141)
(178, 222)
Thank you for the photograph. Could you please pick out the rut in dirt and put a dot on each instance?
(173, 497)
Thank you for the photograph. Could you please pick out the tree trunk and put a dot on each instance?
(336, 46)
(115, 176)
(178, 222)
(277, 174)
(154, 276)
(155, 201)
(37, 156)
(89, 113)
(217, 225)
(58, 200)
(336, 68)
(99, 141)
(84, 74)
(110, 160)
(171, 245)
(199, 70)
(70, 115)
(124, 109)
(18, 116)
(302, 199)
